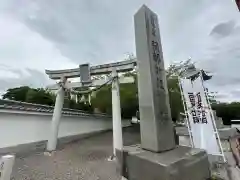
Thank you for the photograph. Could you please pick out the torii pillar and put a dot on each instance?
(116, 114)
(57, 113)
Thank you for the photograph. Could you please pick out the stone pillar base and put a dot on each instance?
(181, 163)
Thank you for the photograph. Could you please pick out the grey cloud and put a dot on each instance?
(229, 96)
(34, 79)
(4, 66)
(235, 93)
(100, 31)
(49, 28)
(224, 29)
(222, 81)
(222, 96)
(223, 56)
(83, 30)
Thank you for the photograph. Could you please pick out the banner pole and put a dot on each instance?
(213, 119)
(185, 112)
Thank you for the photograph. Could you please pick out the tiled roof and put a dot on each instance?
(23, 106)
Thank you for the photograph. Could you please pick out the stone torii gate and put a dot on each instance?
(84, 72)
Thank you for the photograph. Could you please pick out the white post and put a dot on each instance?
(213, 120)
(116, 114)
(52, 141)
(6, 165)
(185, 112)
(89, 98)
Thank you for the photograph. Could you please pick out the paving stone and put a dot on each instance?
(82, 160)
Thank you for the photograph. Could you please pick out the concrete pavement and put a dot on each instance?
(84, 159)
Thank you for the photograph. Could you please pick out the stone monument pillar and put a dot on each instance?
(155, 113)
(157, 157)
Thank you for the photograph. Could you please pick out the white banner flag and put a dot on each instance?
(199, 115)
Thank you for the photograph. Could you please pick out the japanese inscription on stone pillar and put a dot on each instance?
(155, 115)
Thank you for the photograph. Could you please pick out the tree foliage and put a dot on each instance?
(175, 98)
(31, 95)
(227, 111)
(40, 96)
(17, 94)
(43, 96)
(103, 100)
(129, 98)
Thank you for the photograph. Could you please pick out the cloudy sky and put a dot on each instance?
(54, 34)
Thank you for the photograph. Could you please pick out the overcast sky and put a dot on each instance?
(54, 34)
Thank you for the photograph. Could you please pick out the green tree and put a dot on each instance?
(103, 100)
(31, 95)
(84, 106)
(129, 98)
(67, 100)
(175, 98)
(17, 94)
(40, 96)
(227, 111)
(43, 96)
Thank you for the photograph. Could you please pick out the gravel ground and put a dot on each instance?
(84, 159)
